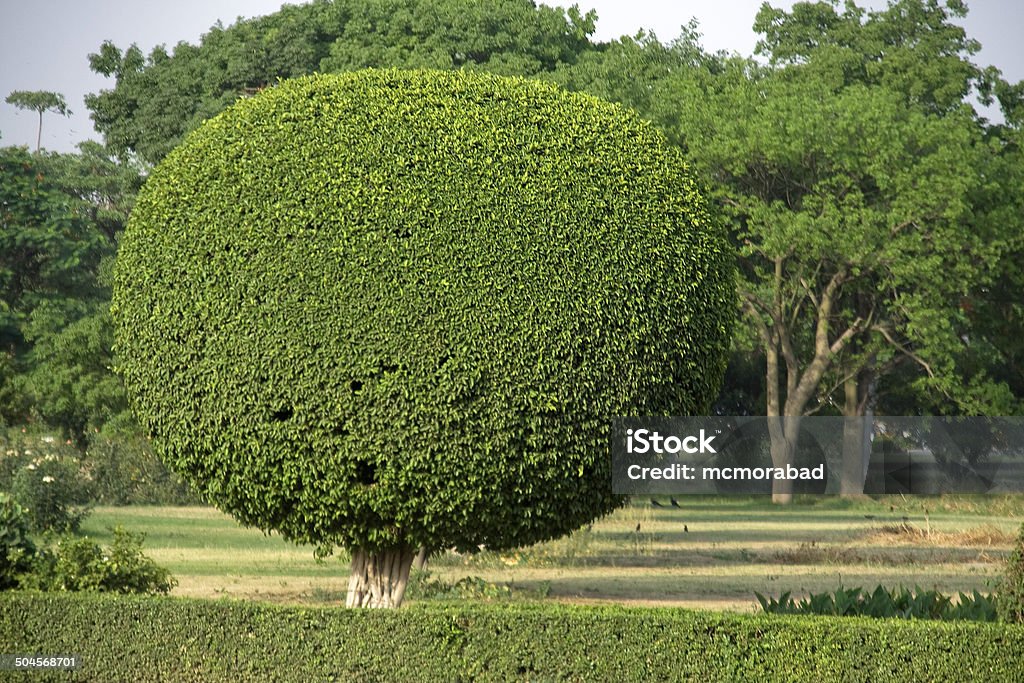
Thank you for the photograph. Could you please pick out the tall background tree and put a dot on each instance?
(60, 220)
(39, 101)
(870, 201)
(155, 100)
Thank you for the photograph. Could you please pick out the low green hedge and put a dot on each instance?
(172, 639)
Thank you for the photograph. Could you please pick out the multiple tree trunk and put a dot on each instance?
(379, 578)
(774, 321)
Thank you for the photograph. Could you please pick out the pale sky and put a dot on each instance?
(44, 44)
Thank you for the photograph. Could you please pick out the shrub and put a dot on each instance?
(1011, 590)
(53, 490)
(19, 447)
(898, 603)
(79, 564)
(391, 309)
(16, 548)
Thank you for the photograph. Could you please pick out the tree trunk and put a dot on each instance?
(379, 578)
(857, 393)
(421, 559)
(775, 322)
(783, 433)
(851, 483)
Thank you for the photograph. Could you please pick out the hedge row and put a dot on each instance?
(173, 639)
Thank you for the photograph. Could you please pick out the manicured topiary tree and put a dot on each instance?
(389, 310)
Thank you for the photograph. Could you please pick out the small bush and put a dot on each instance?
(53, 491)
(16, 548)
(19, 447)
(899, 603)
(81, 565)
(1011, 591)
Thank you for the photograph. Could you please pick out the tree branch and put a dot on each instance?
(881, 329)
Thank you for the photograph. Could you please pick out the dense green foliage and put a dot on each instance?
(61, 214)
(899, 603)
(54, 358)
(865, 254)
(402, 307)
(1011, 590)
(79, 564)
(873, 207)
(43, 251)
(16, 546)
(53, 491)
(172, 639)
(115, 469)
(157, 99)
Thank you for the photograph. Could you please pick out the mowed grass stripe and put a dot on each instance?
(727, 552)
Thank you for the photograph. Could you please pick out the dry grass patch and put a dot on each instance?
(282, 590)
(813, 553)
(903, 533)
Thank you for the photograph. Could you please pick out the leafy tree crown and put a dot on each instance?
(39, 101)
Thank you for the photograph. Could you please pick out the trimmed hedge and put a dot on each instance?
(1011, 604)
(172, 639)
(392, 308)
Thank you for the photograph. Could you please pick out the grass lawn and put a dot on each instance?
(710, 552)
